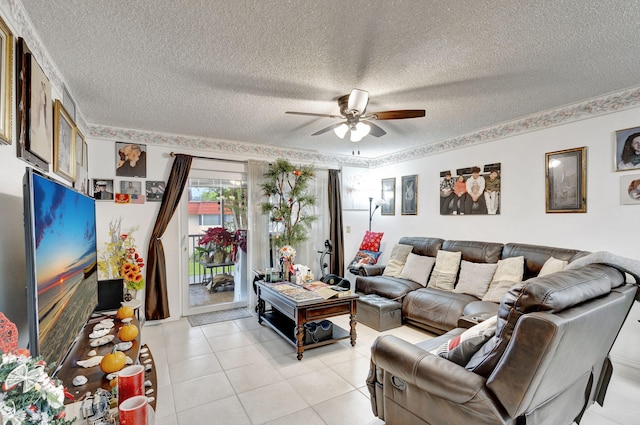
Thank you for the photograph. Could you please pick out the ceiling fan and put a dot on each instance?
(352, 111)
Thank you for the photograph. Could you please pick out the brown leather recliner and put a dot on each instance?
(548, 361)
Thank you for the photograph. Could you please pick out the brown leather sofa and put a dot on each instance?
(439, 311)
(547, 362)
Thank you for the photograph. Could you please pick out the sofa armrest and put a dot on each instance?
(435, 375)
(371, 270)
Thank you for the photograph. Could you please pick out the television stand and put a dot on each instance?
(96, 377)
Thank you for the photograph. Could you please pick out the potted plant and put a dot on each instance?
(216, 244)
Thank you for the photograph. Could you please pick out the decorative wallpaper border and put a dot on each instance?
(614, 102)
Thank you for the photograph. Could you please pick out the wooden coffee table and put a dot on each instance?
(287, 316)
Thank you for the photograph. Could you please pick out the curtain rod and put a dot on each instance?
(172, 154)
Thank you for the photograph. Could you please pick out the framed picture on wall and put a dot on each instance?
(23, 101)
(131, 160)
(630, 189)
(155, 190)
(409, 193)
(102, 189)
(627, 153)
(64, 143)
(566, 181)
(472, 190)
(388, 196)
(6, 81)
(40, 126)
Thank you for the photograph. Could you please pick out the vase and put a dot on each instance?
(130, 294)
(218, 257)
(286, 269)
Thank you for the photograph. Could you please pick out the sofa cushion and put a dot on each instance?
(371, 241)
(445, 270)
(552, 293)
(552, 265)
(417, 268)
(397, 259)
(461, 348)
(475, 251)
(423, 245)
(508, 273)
(536, 255)
(475, 278)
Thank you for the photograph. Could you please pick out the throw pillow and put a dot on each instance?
(400, 252)
(417, 268)
(393, 268)
(509, 272)
(445, 271)
(364, 257)
(475, 278)
(461, 348)
(552, 265)
(371, 241)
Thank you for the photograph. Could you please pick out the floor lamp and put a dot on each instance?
(373, 210)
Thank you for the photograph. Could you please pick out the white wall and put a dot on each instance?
(607, 225)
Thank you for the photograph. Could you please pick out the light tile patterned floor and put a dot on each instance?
(240, 372)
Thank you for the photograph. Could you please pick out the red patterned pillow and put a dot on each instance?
(461, 348)
(371, 241)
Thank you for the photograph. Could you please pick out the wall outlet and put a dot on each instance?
(348, 229)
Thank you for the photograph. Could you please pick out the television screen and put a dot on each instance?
(62, 291)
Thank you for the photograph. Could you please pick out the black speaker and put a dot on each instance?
(110, 294)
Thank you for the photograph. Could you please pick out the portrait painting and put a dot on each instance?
(64, 143)
(474, 190)
(6, 80)
(627, 153)
(131, 160)
(102, 189)
(630, 189)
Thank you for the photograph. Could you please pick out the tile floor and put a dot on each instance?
(240, 372)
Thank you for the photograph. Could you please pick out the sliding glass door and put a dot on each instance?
(214, 226)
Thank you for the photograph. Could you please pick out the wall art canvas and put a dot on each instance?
(630, 189)
(388, 197)
(155, 190)
(409, 193)
(40, 112)
(131, 160)
(566, 181)
(627, 153)
(6, 81)
(474, 190)
(355, 189)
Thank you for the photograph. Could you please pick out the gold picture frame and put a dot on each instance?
(566, 181)
(6, 83)
(64, 143)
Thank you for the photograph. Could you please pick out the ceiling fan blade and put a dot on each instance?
(376, 130)
(398, 115)
(326, 129)
(358, 100)
(311, 114)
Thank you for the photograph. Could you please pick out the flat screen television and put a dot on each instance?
(62, 284)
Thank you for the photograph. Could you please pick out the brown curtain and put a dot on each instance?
(335, 217)
(156, 300)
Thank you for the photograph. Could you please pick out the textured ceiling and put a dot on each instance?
(229, 70)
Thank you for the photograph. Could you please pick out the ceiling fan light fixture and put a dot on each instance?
(358, 100)
(359, 131)
(341, 130)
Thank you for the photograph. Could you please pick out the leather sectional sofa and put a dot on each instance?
(542, 358)
(439, 311)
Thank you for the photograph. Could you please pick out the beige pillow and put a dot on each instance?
(393, 268)
(552, 265)
(397, 259)
(400, 252)
(445, 271)
(475, 278)
(417, 268)
(509, 272)
(510, 269)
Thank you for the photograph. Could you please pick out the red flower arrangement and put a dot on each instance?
(218, 236)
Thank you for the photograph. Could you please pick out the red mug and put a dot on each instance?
(133, 411)
(130, 382)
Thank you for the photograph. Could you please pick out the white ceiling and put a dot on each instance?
(228, 70)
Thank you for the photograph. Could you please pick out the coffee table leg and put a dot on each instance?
(261, 308)
(352, 332)
(300, 340)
